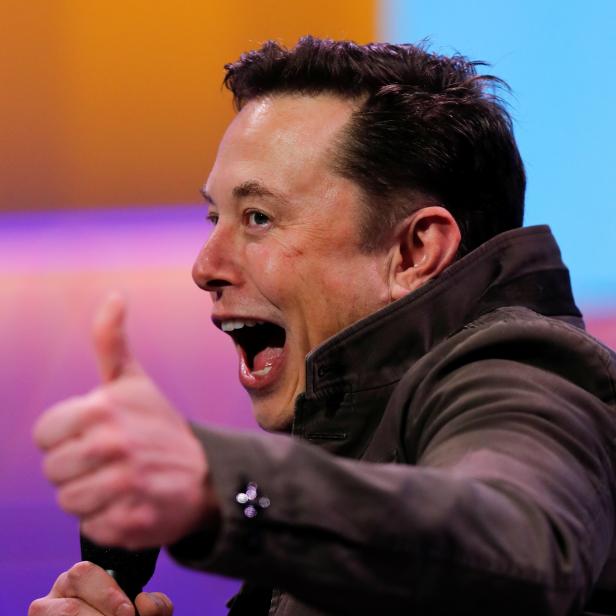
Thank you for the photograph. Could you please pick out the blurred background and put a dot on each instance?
(110, 113)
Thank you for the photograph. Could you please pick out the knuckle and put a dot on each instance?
(107, 400)
(67, 606)
(113, 597)
(63, 585)
(78, 572)
(37, 607)
(83, 566)
(70, 607)
(102, 406)
(74, 576)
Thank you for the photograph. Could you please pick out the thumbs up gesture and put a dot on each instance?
(123, 460)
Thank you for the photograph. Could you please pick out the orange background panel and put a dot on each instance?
(115, 103)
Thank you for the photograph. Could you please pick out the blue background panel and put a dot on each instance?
(558, 58)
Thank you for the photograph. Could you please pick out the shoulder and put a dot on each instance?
(510, 363)
(518, 339)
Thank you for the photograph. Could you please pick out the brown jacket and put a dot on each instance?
(464, 461)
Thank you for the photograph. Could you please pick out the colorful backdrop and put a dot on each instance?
(109, 118)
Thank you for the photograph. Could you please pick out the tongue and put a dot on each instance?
(266, 357)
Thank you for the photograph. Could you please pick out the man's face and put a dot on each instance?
(285, 248)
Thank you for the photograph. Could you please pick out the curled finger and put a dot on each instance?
(91, 493)
(68, 419)
(97, 592)
(61, 607)
(78, 456)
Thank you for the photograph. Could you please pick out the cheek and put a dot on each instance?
(271, 268)
(355, 288)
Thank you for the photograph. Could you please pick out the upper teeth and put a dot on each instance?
(231, 324)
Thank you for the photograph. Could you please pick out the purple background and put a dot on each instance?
(55, 269)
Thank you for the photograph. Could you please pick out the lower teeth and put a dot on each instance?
(262, 372)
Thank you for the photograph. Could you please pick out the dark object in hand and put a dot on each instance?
(131, 570)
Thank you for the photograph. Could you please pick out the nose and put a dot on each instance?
(216, 266)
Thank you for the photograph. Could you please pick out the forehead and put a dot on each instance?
(286, 117)
(281, 137)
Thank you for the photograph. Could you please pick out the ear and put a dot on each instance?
(426, 243)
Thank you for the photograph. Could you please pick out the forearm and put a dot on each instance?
(364, 537)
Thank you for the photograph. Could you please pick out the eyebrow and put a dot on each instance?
(250, 188)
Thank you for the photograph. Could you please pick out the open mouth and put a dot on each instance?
(261, 344)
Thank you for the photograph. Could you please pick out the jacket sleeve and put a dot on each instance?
(505, 504)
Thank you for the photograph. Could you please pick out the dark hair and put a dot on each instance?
(426, 126)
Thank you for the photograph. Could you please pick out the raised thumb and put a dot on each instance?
(112, 353)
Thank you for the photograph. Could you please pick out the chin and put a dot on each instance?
(270, 417)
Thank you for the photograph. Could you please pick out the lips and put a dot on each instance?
(261, 346)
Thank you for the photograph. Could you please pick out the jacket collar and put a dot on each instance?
(522, 267)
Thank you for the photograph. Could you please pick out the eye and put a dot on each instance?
(212, 218)
(257, 219)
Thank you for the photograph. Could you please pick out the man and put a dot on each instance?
(367, 263)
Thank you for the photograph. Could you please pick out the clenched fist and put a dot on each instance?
(86, 590)
(124, 461)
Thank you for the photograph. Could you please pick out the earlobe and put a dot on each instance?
(426, 243)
